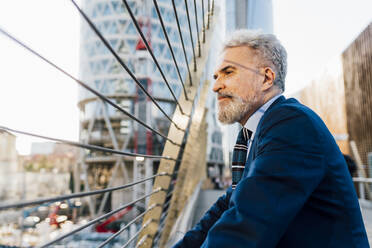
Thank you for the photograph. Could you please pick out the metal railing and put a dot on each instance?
(161, 201)
(359, 173)
(363, 187)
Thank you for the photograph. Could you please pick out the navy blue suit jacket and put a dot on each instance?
(296, 190)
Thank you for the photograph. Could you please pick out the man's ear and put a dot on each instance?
(269, 75)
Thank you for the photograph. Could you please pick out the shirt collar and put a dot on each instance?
(253, 121)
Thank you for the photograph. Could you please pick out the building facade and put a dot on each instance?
(8, 165)
(103, 125)
(249, 14)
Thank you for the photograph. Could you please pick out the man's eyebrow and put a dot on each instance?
(224, 70)
(242, 66)
(227, 67)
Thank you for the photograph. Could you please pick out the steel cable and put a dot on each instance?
(87, 87)
(190, 32)
(151, 54)
(170, 47)
(197, 28)
(209, 14)
(137, 233)
(126, 226)
(164, 214)
(98, 219)
(77, 195)
(142, 240)
(86, 146)
(121, 62)
(169, 193)
(162, 221)
(204, 27)
(182, 42)
(166, 204)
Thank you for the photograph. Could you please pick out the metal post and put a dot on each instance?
(189, 171)
(361, 168)
(148, 172)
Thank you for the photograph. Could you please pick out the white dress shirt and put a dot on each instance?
(253, 121)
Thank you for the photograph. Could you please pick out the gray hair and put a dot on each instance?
(268, 47)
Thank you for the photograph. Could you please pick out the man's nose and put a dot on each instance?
(218, 85)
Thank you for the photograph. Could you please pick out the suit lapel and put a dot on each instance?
(253, 150)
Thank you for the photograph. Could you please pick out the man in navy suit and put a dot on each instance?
(295, 190)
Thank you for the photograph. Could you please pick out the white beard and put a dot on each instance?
(234, 111)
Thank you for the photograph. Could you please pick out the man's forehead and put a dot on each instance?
(235, 56)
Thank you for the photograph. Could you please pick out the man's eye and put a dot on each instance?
(228, 72)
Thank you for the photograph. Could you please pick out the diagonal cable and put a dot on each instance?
(208, 13)
(182, 42)
(197, 28)
(126, 226)
(190, 32)
(137, 233)
(166, 204)
(86, 86)
(86, 146)
(76, 195)
(203, 14)
(151, 53)
(142, 241)
(170, 46)
(99, 219)
(121, 62)
(169, 193)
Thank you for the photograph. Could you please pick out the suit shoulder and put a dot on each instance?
(291, 108)
(291, 114)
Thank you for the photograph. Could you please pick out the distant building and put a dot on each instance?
(8, 153)
(105, 126)
(29, 177)
(249, 14)
(8, 163)
(48, 156)
(347, 111)
(36, 175)
(42, 148)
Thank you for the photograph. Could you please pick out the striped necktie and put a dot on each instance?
(240, 156)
